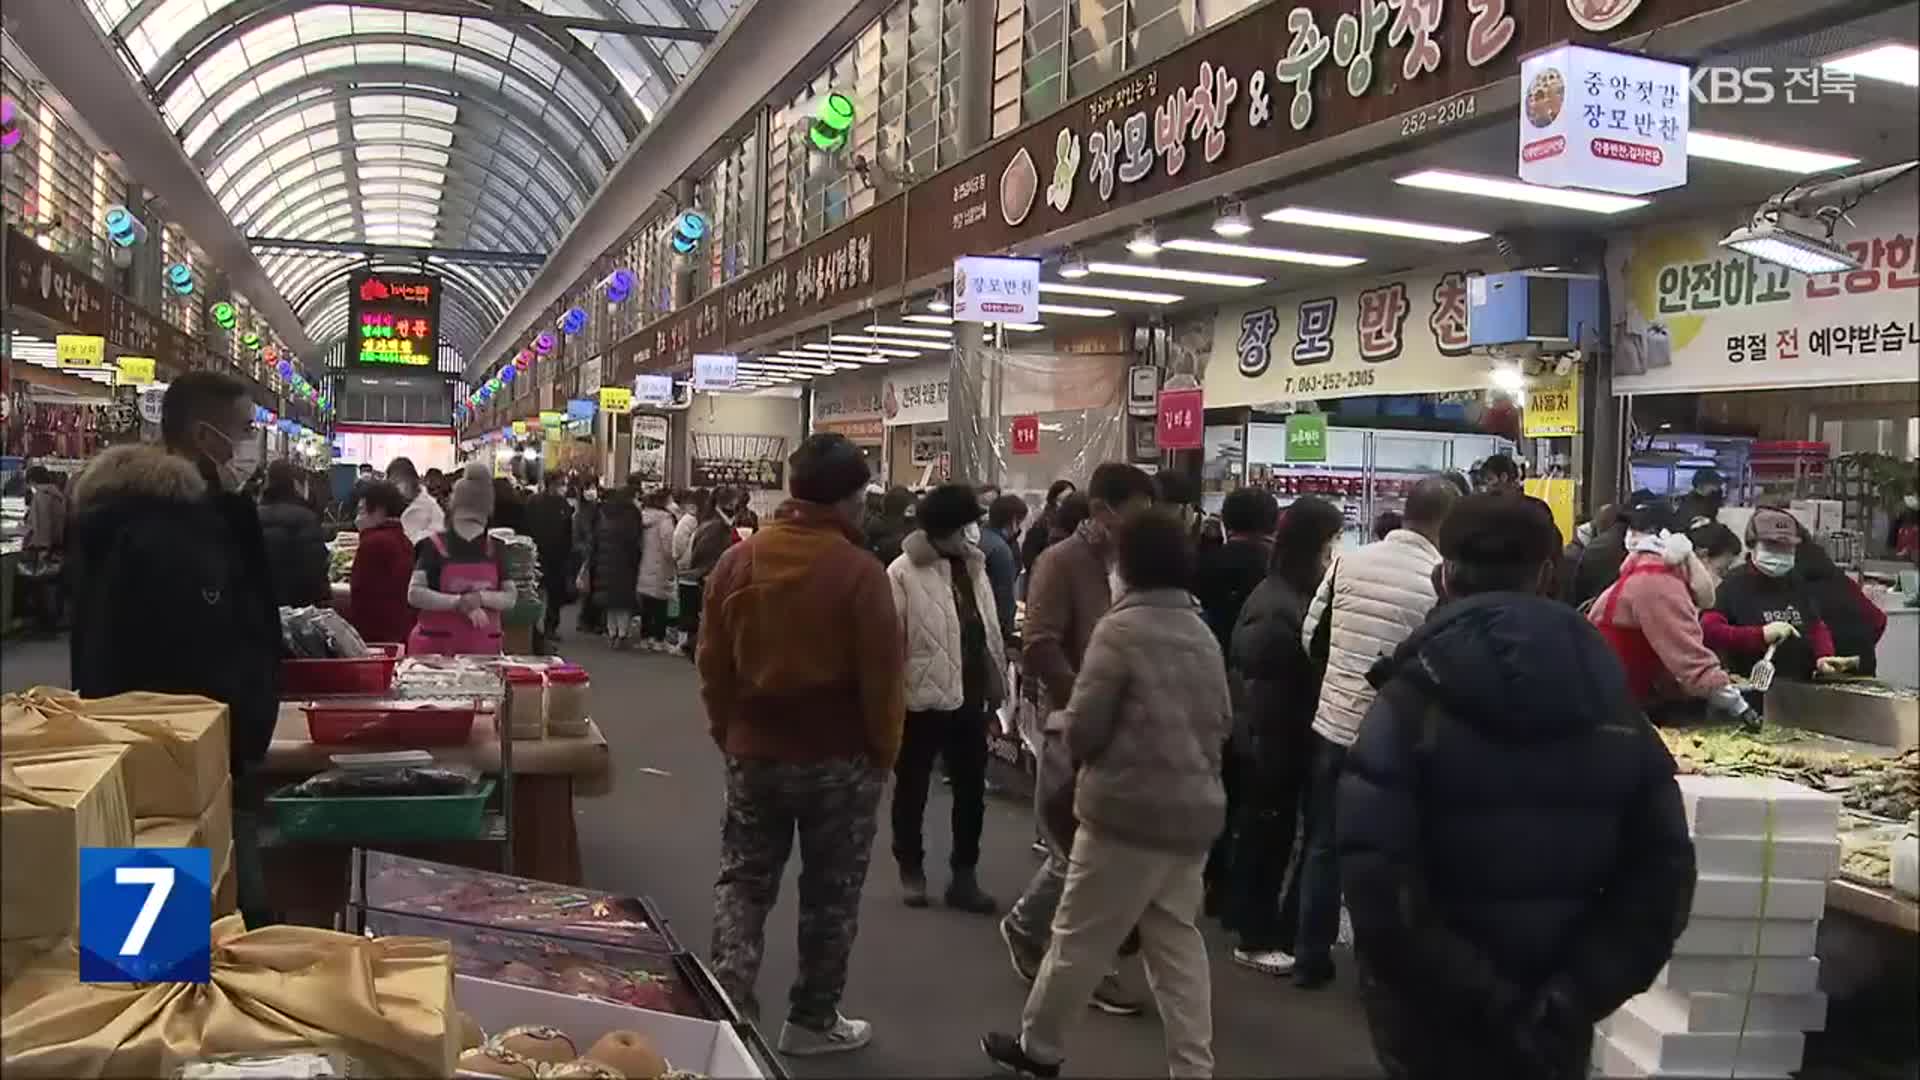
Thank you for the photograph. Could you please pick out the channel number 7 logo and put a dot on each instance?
(146, 914)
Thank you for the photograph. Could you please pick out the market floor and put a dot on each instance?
(930, 980)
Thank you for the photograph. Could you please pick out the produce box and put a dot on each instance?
(1705, 936)
(1742, 974)
(1673, 1010)
(1807, 859)
(176, 743)
(1739, 806)
(1640, 1031)
(706, 1047)
(52, 804)
(212, 830)
(1754, 898)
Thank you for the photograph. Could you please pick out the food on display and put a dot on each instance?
(525, 714)
(628, 1053)
(489, 1061)
(470, 677)
(546, 1053)
(320, 633)
(415, 887)
(340, 555)
(1883, 787)
(567, 691)
(360, 783)
(305, 1065)
(538, 1043)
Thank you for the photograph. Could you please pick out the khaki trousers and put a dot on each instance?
(1111, 888)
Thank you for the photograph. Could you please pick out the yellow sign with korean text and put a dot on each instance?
(519, 429)
(80, 350)
(136, 370)
(1553, 407)
(551, 419)
(1557, 493)
(616, 399)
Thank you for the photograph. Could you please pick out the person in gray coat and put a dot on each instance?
(1146, 723)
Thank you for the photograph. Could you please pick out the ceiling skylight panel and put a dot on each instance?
(430, 57)
(181, 103)
(488, 38)
(378, 132)
(377, 105)
(382, 53)
(338, 56)
(535, 63)
(197, 138)
(168, 23)
(224, 66)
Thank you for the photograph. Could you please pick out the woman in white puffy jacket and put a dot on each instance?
(956, 676)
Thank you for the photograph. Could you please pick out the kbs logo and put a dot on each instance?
(145, 914)
(1766, 85)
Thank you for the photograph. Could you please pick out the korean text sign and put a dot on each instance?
(1603, 120)
(393, 319)
(715, 371)
(1181, 420)
(992, 289)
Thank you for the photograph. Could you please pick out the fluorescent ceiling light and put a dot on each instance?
(1270, 254)
(1377, 226)
(917, 331)
(1232, 219)
(862, 356)
(1494, 187)
(1104, 293)
(1144, 242)
(1762, 155)
(815, 362)
(892, 343)
(1770, 242)
(1891, 62)
(936, 320)
(1168, 273)
(1069, 309)
(1025, 327)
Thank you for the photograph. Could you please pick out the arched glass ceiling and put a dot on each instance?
(324, 121)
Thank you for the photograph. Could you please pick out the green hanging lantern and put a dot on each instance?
(251, 340)
(831, 122)
(224, 315)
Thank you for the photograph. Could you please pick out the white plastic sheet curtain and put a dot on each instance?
(1077, 400)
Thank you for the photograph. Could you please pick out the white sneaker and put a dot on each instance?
(1267, 962)
(845, 1035)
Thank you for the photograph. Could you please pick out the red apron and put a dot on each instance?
(452, 633)
(1643, 665)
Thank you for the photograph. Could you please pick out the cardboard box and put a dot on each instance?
(1742, 974)
(1747, 937)
(212, 830)
(1752, 898)
(1740, 806)
(52, 804)
(1686, 1053)
(1808, 859)
(1674, 1010)
(176, 743)
(708, 1047)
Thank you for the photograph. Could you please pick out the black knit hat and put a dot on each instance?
(826, 468)
(948, 509)
(1500, 530)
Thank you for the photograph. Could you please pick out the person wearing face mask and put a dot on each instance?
(459, 582)
(172, 590)
(1903, 532)
(424, 516)
(586, 521)
(382, 567)
(1764, 603)
(1701, 505)
(1856, 622)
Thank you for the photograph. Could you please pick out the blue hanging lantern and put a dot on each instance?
(619, 286)
(180, 279)
(545, 343)
(688, 230)
(574, 321)
(123, 228)
(286, 369)
(509, 373)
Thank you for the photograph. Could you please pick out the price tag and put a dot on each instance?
(145, 913)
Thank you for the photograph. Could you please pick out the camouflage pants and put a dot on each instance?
(833, 805)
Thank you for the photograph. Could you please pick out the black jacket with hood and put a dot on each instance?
(296, 553)
(1512, 844)
(1276, 686)
(172, 592)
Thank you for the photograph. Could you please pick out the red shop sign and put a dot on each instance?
(1026, 434)
(1180, 421)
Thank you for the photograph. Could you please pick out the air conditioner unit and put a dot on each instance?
(1554, 311)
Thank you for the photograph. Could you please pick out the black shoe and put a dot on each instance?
(964, 894)
(913, 884)
(1024, 957)
(1114, 1000)
(1005, 1051)
(1317, 975)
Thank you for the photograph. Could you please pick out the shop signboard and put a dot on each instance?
(648, 459)
(393, 318)
(551, 419)
(715, 371)
(915, 393)
(856, 260)
(1691, 316)
(996, 289)
(1405, 334)
(653, 389)
(1603, 120)
(617, 400)
(1181, 419)
(1272, 81)
(1025, 437)
(135, 370)
(152, 401)
(849, 404)
(80, 350)
(1307, 437)
(582, 408)
(1553, 407)
(519, 429)
(43, 282)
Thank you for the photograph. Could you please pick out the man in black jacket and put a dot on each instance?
(1512, 842)
(550, 523)
(172, 591)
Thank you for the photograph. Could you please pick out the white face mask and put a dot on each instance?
(1773, 563)
(1584, 533)
(972, 533)
(243, 458)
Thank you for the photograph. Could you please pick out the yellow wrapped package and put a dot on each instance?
(52, 804)
(212, 830)
(388, 1002)
(176, 743)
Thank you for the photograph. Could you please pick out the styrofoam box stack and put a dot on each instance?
(1742, 989)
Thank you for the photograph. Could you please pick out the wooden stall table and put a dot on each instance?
(308, 881)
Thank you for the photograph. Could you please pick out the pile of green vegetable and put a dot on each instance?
(1883, 787)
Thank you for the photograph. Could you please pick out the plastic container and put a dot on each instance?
(358, 675)
(523, 712)
(1906, 862)
(567, 690)
(391, 818)
(389, 723)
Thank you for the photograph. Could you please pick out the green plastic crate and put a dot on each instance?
(386, 817)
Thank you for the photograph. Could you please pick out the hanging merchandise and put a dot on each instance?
(524, 360)
(831, 122)
(123, 228)
(574, 321)
(544, 343)
(509, 373)
(10, 132)
(180, 279)
(286, 369)
(619, 286)
(224, 315)
(688, 230)
(250, 340)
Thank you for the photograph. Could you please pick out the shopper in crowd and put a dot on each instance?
(424, 515)
(509, 507)
(615, 556)
(1764, 603)
(550, 524)
(296, 548)
(1718, 549)
(586, 519)
(1068, 593)
(1279, 689)
(1000, 543)
(1042, 533)
(382, 567)
(696, 506)
(801, 665)
(1702, 502)
(459, 585)
(1604, 549)
(887, 532)
(171, 586)
(1369, 601)
(711, 539)
(1903, 530)
(985, 494)
(1585, 528)
(955, 675)
(1856, 622)
(1177, 492)
(1147, 717)
(44, 549)
(438, 487)
(1516, 858)
(1385, 522)
(1500, 475)
(656, 578)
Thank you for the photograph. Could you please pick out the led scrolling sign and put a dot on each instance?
(394, 319)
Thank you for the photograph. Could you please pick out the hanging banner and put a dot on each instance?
(80, 350)
(552, 419)
(581, 408)
(393, 319)
(1405, 334)
(135, 370)
(996, 289)
(519, 429)
(1691, 316)
(915, 393)
(616, 399)
(653, 389)
(1181, 420)
(648, 459)
(715, 371)
(850, 404)
(1025, 436)
(1603, 120)
(1553, 407)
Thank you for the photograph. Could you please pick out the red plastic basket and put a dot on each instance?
(359, 675)
(394, 724)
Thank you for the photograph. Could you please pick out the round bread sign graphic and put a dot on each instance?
(1601, 15)
(1546, 96)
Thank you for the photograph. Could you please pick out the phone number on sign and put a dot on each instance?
(1328, 382)
(1439, 114)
